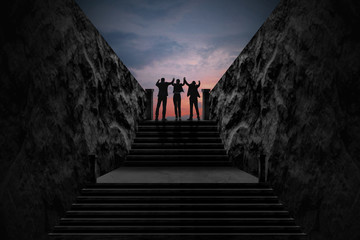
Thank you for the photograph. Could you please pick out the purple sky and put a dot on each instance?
(198, 39)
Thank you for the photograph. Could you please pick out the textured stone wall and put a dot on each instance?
(294, 94)
(64, 95)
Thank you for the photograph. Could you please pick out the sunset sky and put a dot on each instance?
(196, 39)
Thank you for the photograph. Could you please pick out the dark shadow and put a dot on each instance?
(193, 95)
(178, 89)
(162, 97)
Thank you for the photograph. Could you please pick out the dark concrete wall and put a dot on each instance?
(294, 94)
(64, 95)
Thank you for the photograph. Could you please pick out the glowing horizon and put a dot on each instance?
(185, 104)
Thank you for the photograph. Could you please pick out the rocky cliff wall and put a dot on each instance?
(293, 94)
(64, 95)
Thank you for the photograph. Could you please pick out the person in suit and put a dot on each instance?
(193, 95)
(178, 88)
(162, 97)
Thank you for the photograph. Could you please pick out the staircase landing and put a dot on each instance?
(177, 175)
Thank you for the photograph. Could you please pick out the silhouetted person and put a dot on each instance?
(178, 88)
(194, 94)
(162, 97)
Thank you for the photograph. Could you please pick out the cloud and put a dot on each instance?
(142, 17)
(137, 51)
(160, 38)
(207, 67)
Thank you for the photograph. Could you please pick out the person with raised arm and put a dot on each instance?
(162, 97)
(193, 95)
(178, 89)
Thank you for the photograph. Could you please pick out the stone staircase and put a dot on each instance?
(177, 210)
(181, 143)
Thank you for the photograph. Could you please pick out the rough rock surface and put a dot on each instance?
(64, 95)
(294, 95)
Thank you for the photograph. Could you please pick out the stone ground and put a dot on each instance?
(177, 175)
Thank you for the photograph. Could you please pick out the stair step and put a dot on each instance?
(177, 145)
(177, 214)
(179, 185)
(181, 236)
(187, 229)
(177, 164)
(177, 152)
(177, 134)
(160, 207)
(177, 128)
(191, 158)
(178, 221)
(177, 140)
(177, 199)
(181, 192)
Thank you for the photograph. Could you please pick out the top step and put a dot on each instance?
(179, 123)
(179, 185)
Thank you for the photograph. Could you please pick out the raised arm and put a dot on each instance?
(185, 82)
(172, 82)
(198, 85)
(157, 83)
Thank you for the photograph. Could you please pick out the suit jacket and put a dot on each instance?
(192, 91)
(163, 89)
(178, 88)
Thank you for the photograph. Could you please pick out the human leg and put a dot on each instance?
(197, 108)
(164, 107)
(179, 107)
(175, 106)
(157, 108)
(191, 109)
